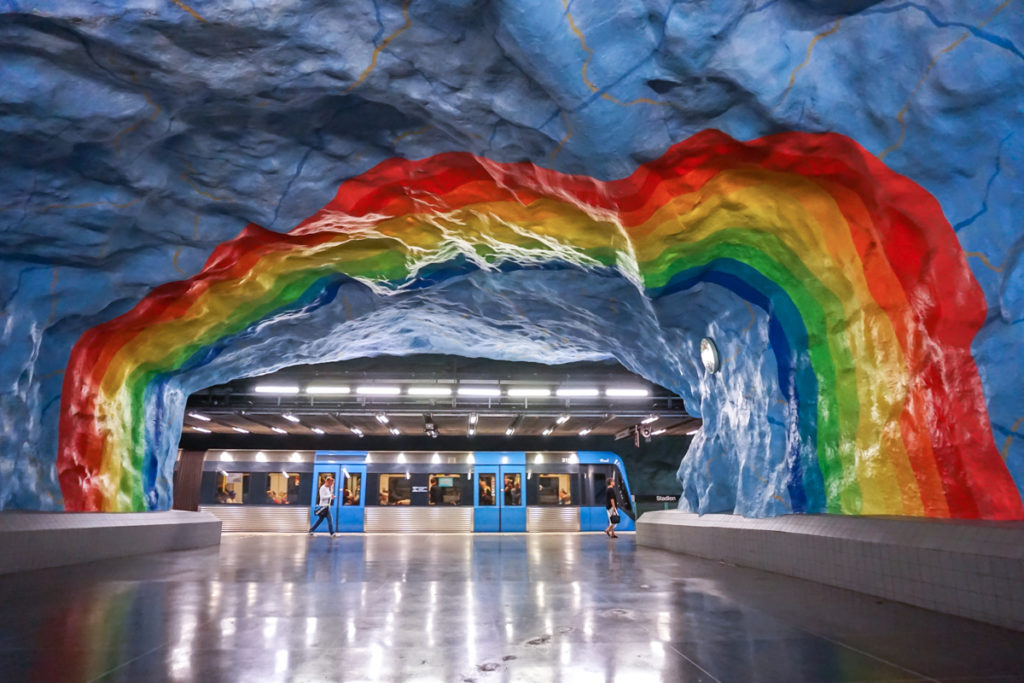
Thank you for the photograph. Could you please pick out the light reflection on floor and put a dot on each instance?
(548, 607)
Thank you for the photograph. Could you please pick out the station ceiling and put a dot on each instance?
(282, 403)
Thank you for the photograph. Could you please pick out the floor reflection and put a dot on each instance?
(547, 607)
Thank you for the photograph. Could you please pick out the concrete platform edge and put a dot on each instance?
(31, 540)
(967, 569)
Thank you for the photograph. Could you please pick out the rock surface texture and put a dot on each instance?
(830, 190)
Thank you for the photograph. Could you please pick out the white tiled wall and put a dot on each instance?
(971, 569)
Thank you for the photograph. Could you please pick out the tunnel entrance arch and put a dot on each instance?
(435, 253)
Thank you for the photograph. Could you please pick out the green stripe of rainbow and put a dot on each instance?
(865, 281)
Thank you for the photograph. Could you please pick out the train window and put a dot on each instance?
(283, 488)
(445, 489)
(321, 480)
(350, 493)
(600, 487)
(513, 489)
(395, 489)
(232, 487)
(486, 483)
(554, 489)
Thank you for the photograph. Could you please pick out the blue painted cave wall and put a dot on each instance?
(136, 136)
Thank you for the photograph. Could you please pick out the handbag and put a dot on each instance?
(615, 518)
(320, 510)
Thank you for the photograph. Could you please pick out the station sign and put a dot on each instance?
(657, 498)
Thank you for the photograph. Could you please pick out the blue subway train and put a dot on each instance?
(405, 491)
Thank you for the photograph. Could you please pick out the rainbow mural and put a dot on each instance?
(871, 303)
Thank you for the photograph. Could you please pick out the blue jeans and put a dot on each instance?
(330, 523)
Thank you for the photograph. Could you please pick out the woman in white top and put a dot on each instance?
(323, 509)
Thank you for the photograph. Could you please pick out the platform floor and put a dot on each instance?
(465, 608)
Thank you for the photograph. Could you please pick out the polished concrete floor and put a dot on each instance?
(463, 608)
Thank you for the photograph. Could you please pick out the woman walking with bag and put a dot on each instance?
(612, 509)
(323, 508)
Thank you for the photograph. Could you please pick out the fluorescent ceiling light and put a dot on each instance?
(693, 431)
(394, 430)
(317, 430)
(510, 431)
(623, 392)
(479, 391)
(199, 417)
(472, 431)
(383, 419)
(529, 392)
(378, 390)
(584, 432)
(200, 429)
(277, 388)
(562, 420)
(547, 431)
(649, 420)
(473, 418)
(278, 430)
(658, 431)
(429, 391)
(240, 430)
(327, 389)
(290, 417)
(356, 430)
(577, 392)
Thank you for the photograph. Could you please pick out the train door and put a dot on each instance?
(320, 474)
(511, 500)
(486, 499)
(352, 498)
(593, 516)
